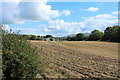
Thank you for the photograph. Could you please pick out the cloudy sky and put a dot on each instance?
(58, 18)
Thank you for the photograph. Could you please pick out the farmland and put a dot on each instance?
(79, 59)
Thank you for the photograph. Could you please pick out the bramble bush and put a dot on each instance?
(20, 59)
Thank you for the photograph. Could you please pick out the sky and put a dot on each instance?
(58, 18)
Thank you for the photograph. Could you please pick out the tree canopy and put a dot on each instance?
(112, 34)
(48, 36)
(96, 35)
(79, 37)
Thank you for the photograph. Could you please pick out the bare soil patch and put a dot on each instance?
(79, 59)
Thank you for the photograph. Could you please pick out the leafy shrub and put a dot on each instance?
(20, 59)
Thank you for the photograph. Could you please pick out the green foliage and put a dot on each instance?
(71, 38)
(86, 38)
(33, 37)
(112, 34)
(118, 35)
(27, 37)
(20, 60)
(62, 38)
(39, 38)
(96, 35)
(48, 36)
(79, 37)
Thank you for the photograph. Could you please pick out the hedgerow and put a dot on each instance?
(20, 59)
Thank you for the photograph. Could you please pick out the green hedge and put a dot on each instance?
(20, 59)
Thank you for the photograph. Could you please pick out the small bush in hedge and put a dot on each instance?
(20, 60)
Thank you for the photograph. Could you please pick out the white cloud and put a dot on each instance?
(36, 11)
(100, 22)
(19, 12)
(61, 28)
(46, 30)
(116, 12)
(106, 16)
(6, 27)
(8, 10)
(26, 30)
(65, 12)
(92, 9)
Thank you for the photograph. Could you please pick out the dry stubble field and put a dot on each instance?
(79, 59)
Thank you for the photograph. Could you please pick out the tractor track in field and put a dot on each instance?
(77, 63)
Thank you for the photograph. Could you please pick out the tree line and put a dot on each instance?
(111, 34)
(34, 37)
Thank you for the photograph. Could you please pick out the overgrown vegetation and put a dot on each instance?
(20, 59)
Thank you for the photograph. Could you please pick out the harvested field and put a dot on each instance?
(79, 59)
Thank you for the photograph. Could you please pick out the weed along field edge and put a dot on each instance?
(79, 59)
